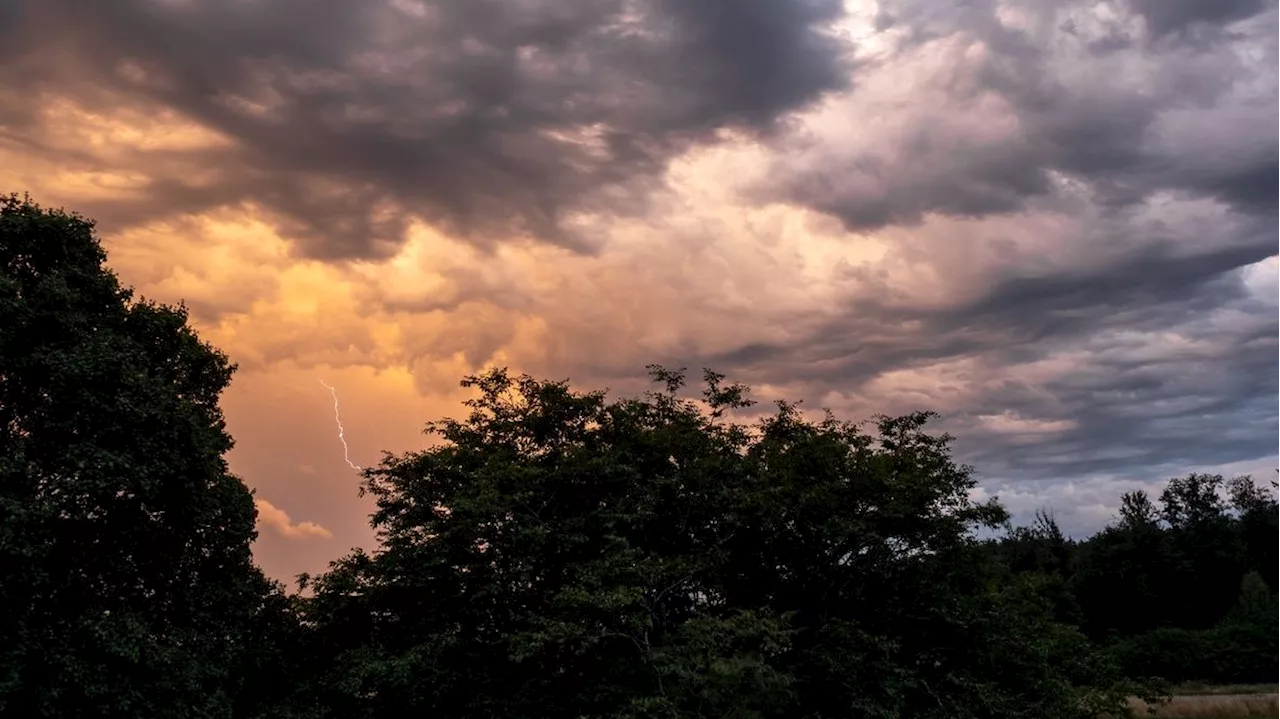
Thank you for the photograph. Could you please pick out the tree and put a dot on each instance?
(127, 583)
(1043, 549)
(1255, 607)
(1206, 548)
(563, 555)
(1137, 512)
(1126, 579)
(1256, 512)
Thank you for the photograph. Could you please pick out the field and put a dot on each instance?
(1234, 702)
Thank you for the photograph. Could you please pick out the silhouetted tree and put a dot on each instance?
(127, 584)
(1124, 574)
(1205, 548)
(562, 555)
(1256, 524)
(1137, 512)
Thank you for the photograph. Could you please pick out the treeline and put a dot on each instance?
(562, 554)
(1182, 588)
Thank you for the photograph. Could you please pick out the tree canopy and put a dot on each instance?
(124, 541)
(561, 554)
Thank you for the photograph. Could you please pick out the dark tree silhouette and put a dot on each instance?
(563, 555)
(127, 583)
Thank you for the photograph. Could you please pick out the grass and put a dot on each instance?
(1217, 705)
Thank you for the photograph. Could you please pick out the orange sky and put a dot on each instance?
(992, 213)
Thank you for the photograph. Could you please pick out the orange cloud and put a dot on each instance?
(278, 520)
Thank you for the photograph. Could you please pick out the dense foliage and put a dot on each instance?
(1182, 588)
(564, 554)
(127, 583)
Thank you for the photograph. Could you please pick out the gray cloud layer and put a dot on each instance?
(1165, 17)
(1080, 196)
(489, 118)
(1111, 102)
(1153, 124)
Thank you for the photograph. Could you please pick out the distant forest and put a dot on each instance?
(564, 554)
(1182, 588)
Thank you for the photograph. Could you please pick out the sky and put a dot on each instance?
(1054, 222)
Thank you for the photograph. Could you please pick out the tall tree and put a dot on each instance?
(1044, 550)
(1256, 512)
(1125, 578)
(1207, 549)
(127, 582)
(563, 555)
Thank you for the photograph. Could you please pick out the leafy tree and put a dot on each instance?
(1193, 501)
(1178, 564)
(1257, 515)
(563, 555)
(1159, 584)
(127, 580)
(1246, 646)
(1240, 649)
(1256, 606)
(1138, 513)
(1206, 550)
(1043, 549)
(1125, 574)
(279, 652)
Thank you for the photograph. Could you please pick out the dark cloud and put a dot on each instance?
(1157, 357)
(1144, 293)
(1192, 388)
(489, 118)
(1137, 349)
(1250, 184)
(1151, 281)
(1074, 203)
(1091, 313)
(1164, 17)
(1070, 96)
(870, 193)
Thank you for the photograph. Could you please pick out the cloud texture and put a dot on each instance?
(1053, 222)
(278, 521)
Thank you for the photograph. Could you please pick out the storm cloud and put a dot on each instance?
(1053, 222)
(489, 118)
(1014, 97)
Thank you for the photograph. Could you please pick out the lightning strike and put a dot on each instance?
(337, 417)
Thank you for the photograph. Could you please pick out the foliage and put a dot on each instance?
(1231, 653)
(1182, 589)
(563, 555)
(124, 542)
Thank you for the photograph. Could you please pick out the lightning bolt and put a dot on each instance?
(337, 417)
